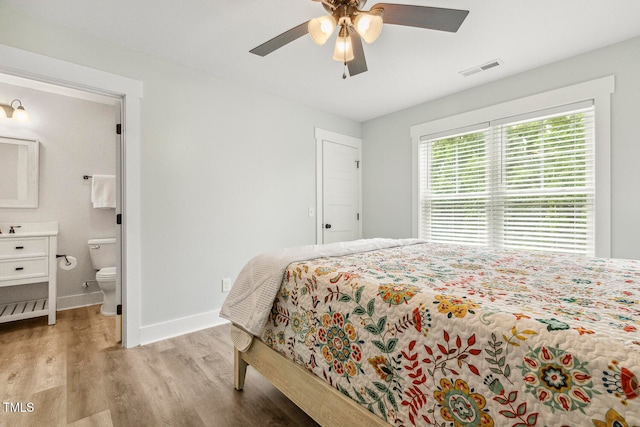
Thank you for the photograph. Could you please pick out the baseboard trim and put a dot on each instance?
(173, 328)
(80, 300)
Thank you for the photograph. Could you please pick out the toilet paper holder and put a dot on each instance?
(66, 260)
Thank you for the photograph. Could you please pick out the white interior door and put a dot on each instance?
(340, 178)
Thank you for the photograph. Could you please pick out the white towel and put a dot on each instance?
(103, 191)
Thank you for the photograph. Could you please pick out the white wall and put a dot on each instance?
(227, 171)
(77, 137)
(387, 143)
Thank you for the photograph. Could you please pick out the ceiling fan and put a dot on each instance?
(356, 24)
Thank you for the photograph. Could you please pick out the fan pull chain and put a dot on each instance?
(344, 73)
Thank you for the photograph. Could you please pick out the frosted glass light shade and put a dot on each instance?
(344, 49)
(368, 25)
(20, 115)
(320, 29)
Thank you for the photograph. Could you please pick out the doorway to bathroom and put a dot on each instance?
(49, 75)
(77, 177)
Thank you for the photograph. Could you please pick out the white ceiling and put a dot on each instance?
(407, 66)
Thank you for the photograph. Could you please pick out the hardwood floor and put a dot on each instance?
(74, 374)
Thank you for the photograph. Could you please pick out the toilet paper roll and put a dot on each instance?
(68, 263)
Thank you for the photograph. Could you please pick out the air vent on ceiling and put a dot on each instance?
(483, 67)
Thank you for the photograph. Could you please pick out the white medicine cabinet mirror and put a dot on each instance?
(19, 164)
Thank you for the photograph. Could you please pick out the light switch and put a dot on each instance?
(312, 212)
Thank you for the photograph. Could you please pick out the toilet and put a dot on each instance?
(103, 259)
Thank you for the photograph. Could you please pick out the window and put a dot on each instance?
(525, 181)
(455, 188)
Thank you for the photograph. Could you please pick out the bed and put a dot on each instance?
(403, 332)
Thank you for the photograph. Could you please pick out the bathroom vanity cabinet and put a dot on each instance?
(29, 256)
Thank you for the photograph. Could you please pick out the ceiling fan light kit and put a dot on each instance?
(320, 29)
(343, 51)
(357, 25)
(369, 24)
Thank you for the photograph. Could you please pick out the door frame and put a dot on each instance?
(120, 266)
(321, 136)
(40, 68)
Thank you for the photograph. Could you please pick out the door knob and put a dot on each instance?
(327, 226)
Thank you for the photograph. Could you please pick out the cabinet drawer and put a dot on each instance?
(24, 247)
(24, 268)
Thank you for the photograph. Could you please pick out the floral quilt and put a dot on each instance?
(445, 335)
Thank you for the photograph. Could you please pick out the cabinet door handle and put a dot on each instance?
(19, 268)
(19, 247)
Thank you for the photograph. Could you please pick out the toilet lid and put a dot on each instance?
(106, 273)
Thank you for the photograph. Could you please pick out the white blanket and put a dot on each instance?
(250, 300)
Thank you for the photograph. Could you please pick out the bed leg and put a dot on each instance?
(239, 369)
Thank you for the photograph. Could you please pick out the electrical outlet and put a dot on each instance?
(226, 284)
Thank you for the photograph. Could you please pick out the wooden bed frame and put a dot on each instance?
(314, 396)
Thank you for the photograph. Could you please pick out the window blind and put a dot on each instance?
(455, 197)
(525, 182)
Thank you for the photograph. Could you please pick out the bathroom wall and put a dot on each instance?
(77, 137)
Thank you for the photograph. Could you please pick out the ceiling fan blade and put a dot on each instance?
(358, 64)
(432, 18)
(278, 41)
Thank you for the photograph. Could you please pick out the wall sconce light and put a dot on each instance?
(18, 113)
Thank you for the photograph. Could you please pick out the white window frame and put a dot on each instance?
(599, 91)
